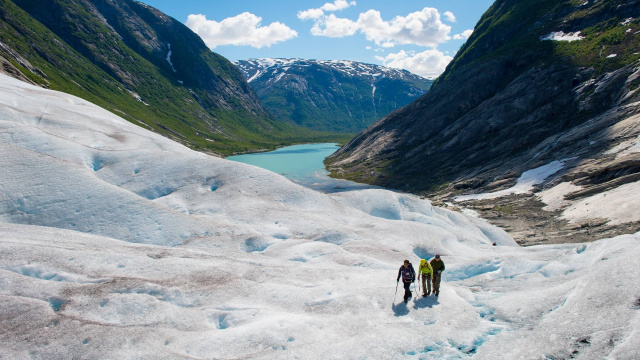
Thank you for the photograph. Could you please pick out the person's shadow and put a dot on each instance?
(400, 309)
(425, 302)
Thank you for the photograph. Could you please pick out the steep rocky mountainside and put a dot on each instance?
(519, 95)
(141, 64)
(340, 96)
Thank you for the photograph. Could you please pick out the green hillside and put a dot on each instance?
(510, 28)
(144, 66)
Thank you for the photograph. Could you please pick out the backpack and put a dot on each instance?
(425, 267)
(408, 275)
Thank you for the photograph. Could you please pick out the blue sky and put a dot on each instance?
(419, 36)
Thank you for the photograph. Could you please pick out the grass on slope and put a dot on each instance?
(514, 27)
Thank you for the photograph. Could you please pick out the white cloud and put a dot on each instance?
(318, 13)
(332, 26)
(448, 15)
(310, 14)
(244, 29)
(428, 64)
(423, 28)
(337, 5)
(464, 35)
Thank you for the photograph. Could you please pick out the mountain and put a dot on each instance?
(338, 96)
(537, 82)
(141, 64)
(118, 243)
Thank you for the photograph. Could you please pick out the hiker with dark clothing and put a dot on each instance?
(408, 276)
(437, 266)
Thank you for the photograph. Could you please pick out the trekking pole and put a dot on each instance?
(394, 295)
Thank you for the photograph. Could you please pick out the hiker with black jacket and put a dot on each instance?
(408, 276)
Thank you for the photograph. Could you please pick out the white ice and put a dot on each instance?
(118, 243)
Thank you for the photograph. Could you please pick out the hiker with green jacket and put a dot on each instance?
(437, 266)
(426, 272)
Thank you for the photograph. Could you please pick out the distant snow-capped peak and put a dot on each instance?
(254, 68)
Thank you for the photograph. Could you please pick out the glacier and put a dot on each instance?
(116, 242)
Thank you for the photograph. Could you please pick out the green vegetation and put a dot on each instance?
(504, 209)
(512, 29)
(606, 46)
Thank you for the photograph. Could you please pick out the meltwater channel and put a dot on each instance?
(302, 164)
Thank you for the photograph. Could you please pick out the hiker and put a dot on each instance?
(408, 276)
(425, 271)
(437, 266)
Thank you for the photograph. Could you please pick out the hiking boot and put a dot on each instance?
(423, 295)
(437, 292)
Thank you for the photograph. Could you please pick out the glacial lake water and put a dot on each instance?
(302, 164)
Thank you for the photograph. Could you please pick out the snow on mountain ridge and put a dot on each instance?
(258, 67)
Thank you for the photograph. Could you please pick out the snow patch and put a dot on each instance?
(525, 183)
(561, 36)
(625, 148)
(169, 58)
(614, 205)
(255, 76)
(554, 197)
(279, 77)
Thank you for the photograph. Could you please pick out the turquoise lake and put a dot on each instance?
(302, 164)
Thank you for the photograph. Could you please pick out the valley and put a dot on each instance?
(338, 96)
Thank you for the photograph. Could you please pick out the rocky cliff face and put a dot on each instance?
(140, 63)
(517, 96)
(339, 96)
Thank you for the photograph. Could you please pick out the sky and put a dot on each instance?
(419, 36)
(118, 243)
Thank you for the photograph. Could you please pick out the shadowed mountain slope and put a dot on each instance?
(518, 95)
